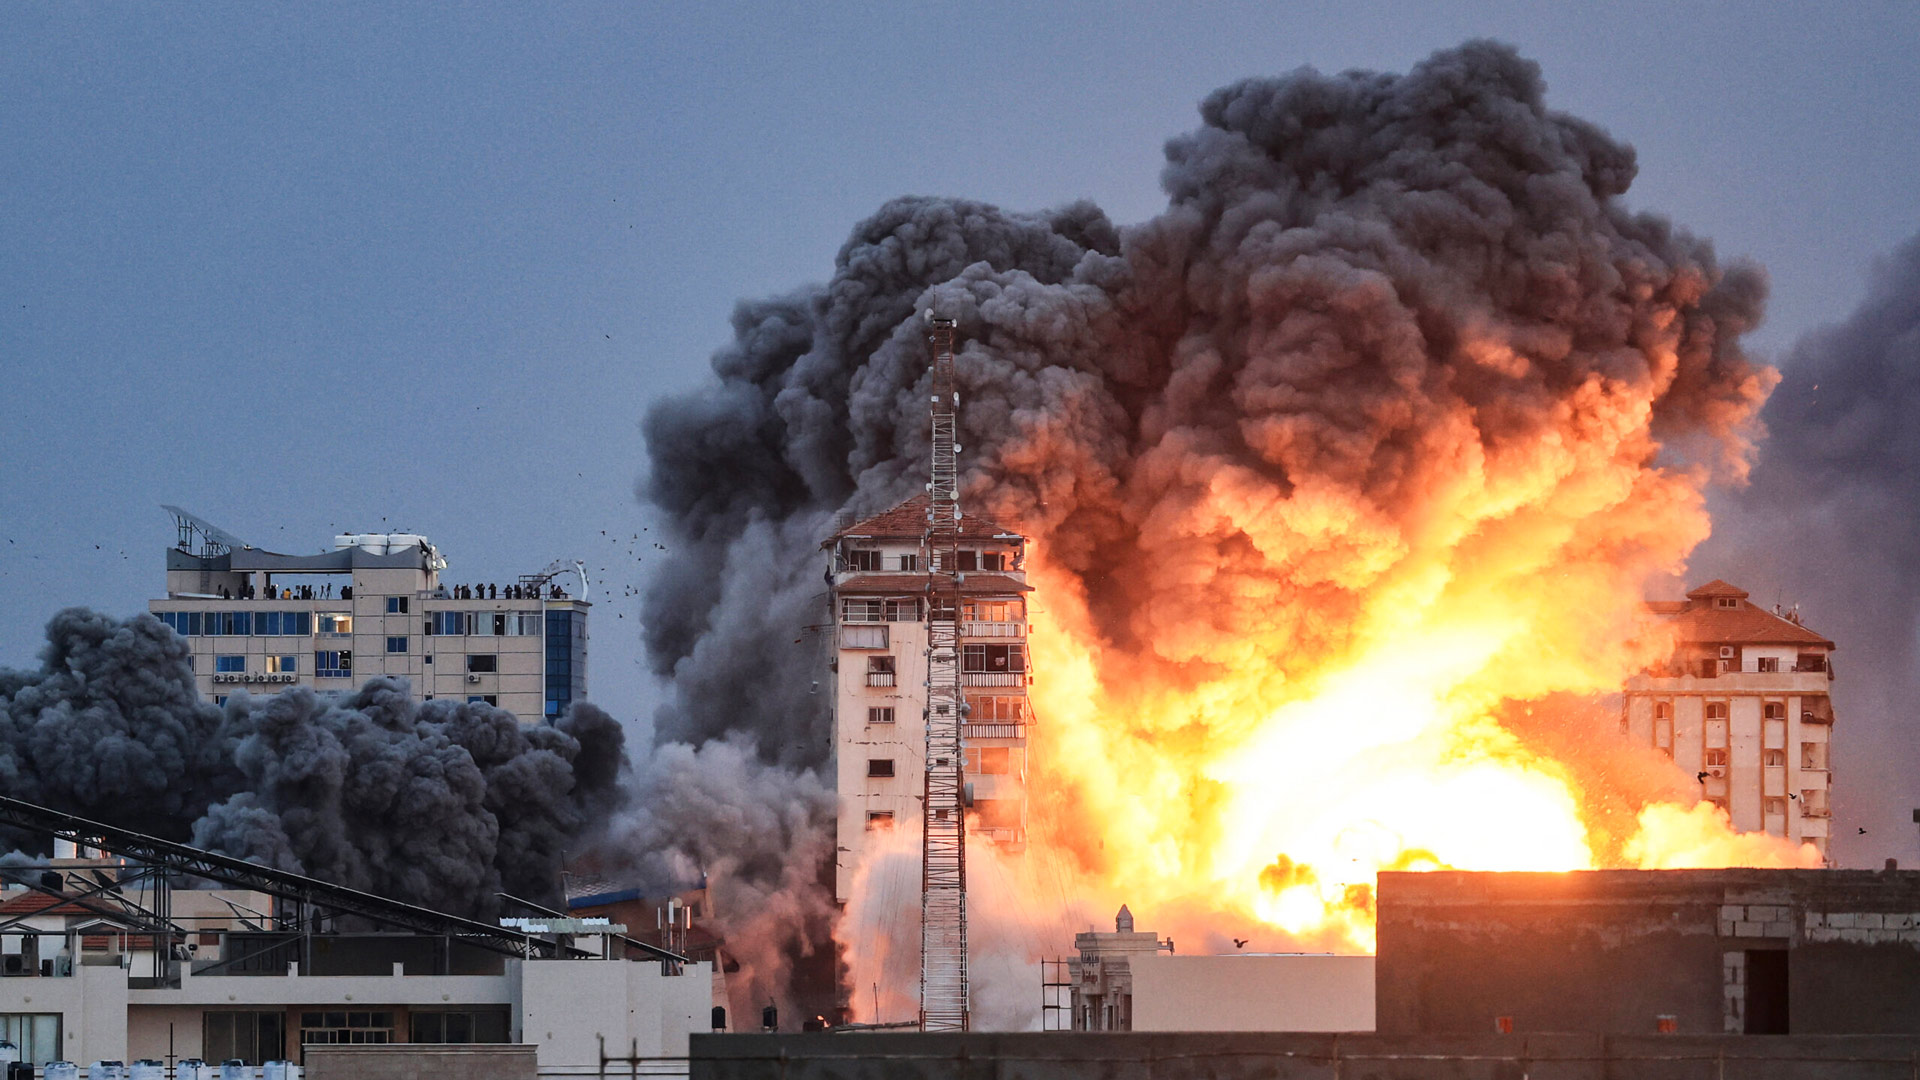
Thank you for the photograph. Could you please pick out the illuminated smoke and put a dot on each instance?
(1376, 431)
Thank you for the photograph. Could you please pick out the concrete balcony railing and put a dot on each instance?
(975, 628)
(993, 729)
(880, 678)
(993, 678)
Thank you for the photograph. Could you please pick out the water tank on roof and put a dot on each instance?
(380, 543)
(107, 1070)
(235, 1069)
(279, 1070)
(61, 1070)
(9, 1053)
(192, 1069)
(148, 1069)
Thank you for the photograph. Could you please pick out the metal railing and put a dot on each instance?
(977, 628)
(994, 678)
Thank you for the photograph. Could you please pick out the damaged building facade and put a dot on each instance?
(877, 569)
(1743, 704)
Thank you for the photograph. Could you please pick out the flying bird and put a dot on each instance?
(1700, 777)
(1239, 943)
(1863, 832)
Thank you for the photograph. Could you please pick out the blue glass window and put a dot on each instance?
(303, 623)
(270, 623)
(229, 663)
(193, 624)
(332, 664)
(396, 605)
(396, 644)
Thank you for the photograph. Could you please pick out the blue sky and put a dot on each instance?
(307, 269)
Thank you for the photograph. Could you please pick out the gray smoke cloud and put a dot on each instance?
(442, 803)
(1352, 270)
(1828, 524)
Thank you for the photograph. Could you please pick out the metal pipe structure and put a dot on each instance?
(943, 832)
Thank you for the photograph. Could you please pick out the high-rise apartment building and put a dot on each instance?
(878, 675)
(374, 605)
(1743, 704)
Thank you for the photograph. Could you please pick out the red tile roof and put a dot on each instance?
(908, 521)
(1700, 621)
(39, 903)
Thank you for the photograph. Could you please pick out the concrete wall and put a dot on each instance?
(566, 1009)
(1252, 993)
(1614, 951)
(421, 1062)
(1246, 1056)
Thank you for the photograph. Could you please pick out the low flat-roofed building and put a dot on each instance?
(1634, 952)
(1252, 992)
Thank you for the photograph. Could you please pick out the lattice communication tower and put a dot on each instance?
(943, 831)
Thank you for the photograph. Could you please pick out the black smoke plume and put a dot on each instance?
(442, 803)
(1828, 525)
(1361, 282)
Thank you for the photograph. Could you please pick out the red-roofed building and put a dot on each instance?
(1743, 705)
(879, 593)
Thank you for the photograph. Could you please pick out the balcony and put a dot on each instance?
(993, 678)
(880, 678)
(994, 730)
(980, 629)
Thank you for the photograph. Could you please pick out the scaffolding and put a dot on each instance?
(943, 835)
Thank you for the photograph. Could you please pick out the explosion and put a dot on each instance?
(1345, 476)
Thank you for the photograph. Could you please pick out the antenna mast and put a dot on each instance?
(943, 832)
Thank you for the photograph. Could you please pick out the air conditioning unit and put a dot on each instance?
(1718, 772)
(1726, 652)
(473, 678)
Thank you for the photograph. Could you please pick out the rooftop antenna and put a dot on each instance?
(213, 539)
(943, 832)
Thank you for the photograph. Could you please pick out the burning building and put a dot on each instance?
(878, 676)
(1743, 706)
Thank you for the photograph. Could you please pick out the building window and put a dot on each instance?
(1716, 710)
(336, 624)
(483, 699)
(909, 563)
(880, 766)
(852, 611)
(1002, 707)
(483, 662)
(1716, 759)
(994, 611)
(229, 663)
(863, 560)
(1774, 807)
(993, 659)
(880, 715)
(345, 1027)
(332, 664)
(1775, 759)
(1813, 755)
(253, 1037)
(880, 671)
(864, 636)
(879, 819)
(396, 605)
(219, 700)
(396, 644)
(478, 1026)
(966, 559)
(1725, 603)
(36, 1034)
(1766, 663)
(993, 560)
(522, 625)
(284, 665)
(902, 611)
(1774, 710)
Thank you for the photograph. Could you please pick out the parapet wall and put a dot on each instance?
(1276, 1056)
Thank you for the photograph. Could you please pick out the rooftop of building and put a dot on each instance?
(1718, 613)
(908, 521)
(889, 583)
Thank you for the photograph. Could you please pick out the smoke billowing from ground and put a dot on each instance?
(443, 803)
(1829, 524)
(1395, 355)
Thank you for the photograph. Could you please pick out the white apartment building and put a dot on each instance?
(1744, 705)
(374, 605)
(878, 675)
